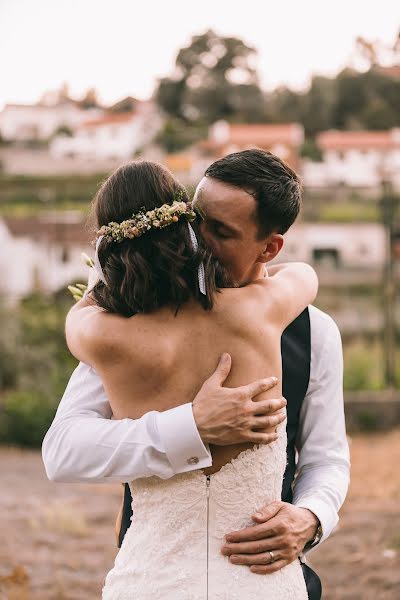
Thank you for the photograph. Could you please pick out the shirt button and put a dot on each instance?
(193, 460)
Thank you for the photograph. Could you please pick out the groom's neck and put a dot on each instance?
(258, 271)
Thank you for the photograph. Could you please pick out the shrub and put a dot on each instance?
(362, 367)
(35, 365)
(25, 418)
(368, 421)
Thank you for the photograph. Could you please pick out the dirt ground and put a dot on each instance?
(57, 540)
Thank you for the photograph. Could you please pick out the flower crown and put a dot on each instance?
(142, 221)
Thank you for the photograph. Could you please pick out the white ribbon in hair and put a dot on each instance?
(200, 273)
(97, 264)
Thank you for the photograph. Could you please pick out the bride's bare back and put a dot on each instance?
(158, 361)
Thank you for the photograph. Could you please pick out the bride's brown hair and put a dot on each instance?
(160, 267)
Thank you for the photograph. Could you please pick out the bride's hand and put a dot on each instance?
(230, 415)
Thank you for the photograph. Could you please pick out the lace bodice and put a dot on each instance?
(172, 549)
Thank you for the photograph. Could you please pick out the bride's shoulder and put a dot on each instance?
(259, 290)
(92, 332)
(251, 302)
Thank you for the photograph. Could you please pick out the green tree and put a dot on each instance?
(64, 130)
(310, 150)
(317, 105)
(366, 100)
(284, 105)
(176, 134)
(367, 50)
(90, 99)
(214, 78)
(351, 98)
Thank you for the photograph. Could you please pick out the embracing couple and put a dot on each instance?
(235, 473)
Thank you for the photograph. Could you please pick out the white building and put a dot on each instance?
(113, 136)
(22, 122)
(335, 245)
(42, 253)
(355, 158)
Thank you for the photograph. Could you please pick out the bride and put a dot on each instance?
(154, 327)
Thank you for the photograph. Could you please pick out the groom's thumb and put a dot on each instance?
(223, 369)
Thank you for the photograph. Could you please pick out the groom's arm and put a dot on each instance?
(84, 444)
(323, 466)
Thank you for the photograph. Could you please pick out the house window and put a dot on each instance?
(327, 257)
(64, 255)
(396, 245)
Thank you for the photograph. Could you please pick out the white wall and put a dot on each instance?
(353, 168)
(358, 246)
(18, 122)
(26, 264)
(108, 140)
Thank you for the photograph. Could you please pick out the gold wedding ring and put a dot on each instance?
(271, 556)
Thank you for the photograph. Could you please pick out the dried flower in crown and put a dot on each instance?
(142, 221)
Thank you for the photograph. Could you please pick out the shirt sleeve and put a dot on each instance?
(84, 443)
(323, 453)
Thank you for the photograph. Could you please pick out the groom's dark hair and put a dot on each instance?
(159, 268)
(274, 185)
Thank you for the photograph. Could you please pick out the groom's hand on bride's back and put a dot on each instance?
(232, 415)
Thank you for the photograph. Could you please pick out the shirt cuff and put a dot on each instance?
(181, 440)
(327, 519)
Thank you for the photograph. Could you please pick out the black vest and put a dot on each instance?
(296, 359)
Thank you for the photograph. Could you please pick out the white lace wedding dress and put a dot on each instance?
(172, 549)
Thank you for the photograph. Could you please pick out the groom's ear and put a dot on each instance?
(272, 246)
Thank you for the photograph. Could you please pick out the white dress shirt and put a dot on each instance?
(84, 444)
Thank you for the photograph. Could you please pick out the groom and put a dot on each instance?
(236, 190)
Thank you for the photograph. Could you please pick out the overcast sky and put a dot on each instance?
(122, 46)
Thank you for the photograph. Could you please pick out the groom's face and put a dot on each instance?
(230, 230)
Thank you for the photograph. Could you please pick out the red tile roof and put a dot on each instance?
(393, 71)
(256, 135)
(109, 120)
(178, 162)
(225, 137)
(363, 140)
(260, 134)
